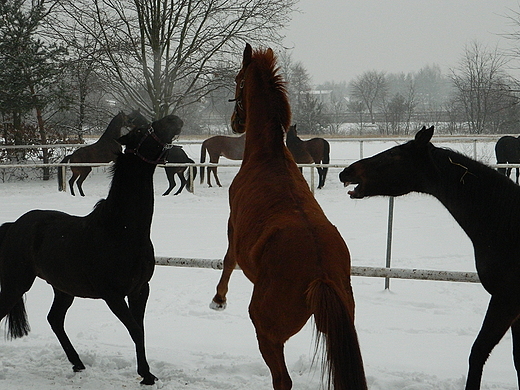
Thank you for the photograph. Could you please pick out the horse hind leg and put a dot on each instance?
(515, 331)
(321, 178)
(72, 180)
(183, 182)
(273, 354)
(277, 315)
(499, 318)
(170, 175)
(56, 319)
(214, 171)
(81, 179)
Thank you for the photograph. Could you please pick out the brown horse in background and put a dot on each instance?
(104, 150)
(314, 150)
(220, 145)
(281, 239)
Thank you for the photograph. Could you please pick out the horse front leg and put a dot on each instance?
(136, 330)
(56, 319)
(499, 317)
(219, 301)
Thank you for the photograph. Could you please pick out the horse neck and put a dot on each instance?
(130, 200)
(268, 116)
(113, 130)
(473, 193)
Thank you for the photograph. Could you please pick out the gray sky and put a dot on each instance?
(340, 39)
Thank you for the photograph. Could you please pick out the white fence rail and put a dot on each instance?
(372, 272)
(380, 272)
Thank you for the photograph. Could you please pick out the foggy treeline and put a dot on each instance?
(68, 66)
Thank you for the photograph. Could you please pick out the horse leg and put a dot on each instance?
(515, 331)
(321, 179)
(56, 319)
(214, 171)
(82, 178)
(135, 328)
(183, 182)
(137, 304)
(170, 175)
(75, 175)
(499, 317)
(277, 314)
(273, 354)
(219, 300)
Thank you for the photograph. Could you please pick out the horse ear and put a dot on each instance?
(423, 136)
(248, 53)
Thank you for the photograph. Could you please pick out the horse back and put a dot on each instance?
(101, 152)
(61, 248)
(281, 228)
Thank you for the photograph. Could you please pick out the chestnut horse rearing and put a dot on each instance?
(282, 240)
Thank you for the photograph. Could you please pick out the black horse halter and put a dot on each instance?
(150, 133)
(239, 107)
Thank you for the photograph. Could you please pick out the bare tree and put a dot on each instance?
(164, 55)
(369, 88)
(481, 86)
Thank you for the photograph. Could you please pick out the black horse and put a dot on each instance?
(107, 254)
(104, 150)
(507, 151)
(177, 155)
(485, 203)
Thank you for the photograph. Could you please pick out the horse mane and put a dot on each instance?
(477, 180)
(269, 73)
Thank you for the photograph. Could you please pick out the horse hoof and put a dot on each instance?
(78, 367)
(217, 306)
(149, 380)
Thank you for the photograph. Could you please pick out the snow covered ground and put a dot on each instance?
(415, 336)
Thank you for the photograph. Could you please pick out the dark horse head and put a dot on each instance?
(149, 142)
(136, 119)
(391, 172)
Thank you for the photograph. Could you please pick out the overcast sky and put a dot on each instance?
(340, 39)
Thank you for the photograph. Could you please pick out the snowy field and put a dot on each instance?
(415, 336)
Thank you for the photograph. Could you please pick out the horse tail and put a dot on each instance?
(66, 159)
(17, 323)
(335, 331)
(202, 160)
(326, 158)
